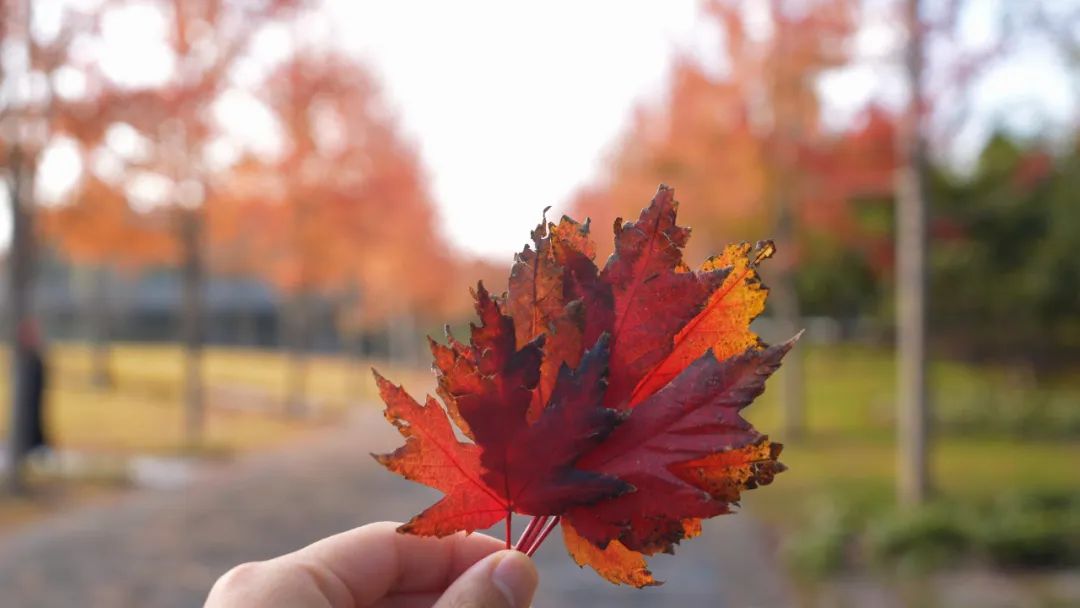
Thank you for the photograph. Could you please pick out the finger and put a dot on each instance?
(274, 583)
(354, 568)
(506, 579)
(374, 561)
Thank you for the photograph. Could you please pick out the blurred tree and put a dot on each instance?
(846, 232)
(1004, 257)
(777, 76)
(748, 149)
(209, 38)
(944, 106)
(343, 214)
(912, 408)
(99, 231)
(28, 103)
(938, 105)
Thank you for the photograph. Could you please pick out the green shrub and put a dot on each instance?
(1034, 530)
(823, 547)
(1039, 530)
(1023, 540)
(921, 539)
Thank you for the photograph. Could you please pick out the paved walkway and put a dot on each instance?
(164, 548)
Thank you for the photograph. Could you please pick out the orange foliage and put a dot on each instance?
(753, 136)
(100, 229)
(345, 209)
(615, 562)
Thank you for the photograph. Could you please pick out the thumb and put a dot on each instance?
(506, 579)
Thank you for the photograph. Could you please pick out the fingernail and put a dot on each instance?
(515, 577)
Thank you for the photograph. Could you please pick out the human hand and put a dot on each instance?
(373, 565)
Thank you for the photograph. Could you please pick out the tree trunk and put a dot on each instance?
(401, 335)
(351, 319)
(297, 334)
(782, 137)
(913, 479)
(355, 371)
(247, 333)
(19, 306)
(785, 298)
(192, 325)
(100, 326)
(792, 385)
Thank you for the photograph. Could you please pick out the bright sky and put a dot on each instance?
(513, 106)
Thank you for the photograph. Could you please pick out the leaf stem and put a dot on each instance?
(536, 532)
(509, 527)
(543, 535)
(530, 532)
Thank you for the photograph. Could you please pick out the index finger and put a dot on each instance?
(374, 560)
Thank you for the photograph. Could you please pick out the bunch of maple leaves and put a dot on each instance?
(605, 400)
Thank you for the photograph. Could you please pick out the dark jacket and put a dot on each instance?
(34, 395)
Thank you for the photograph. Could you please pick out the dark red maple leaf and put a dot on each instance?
(637, 444)
(655, 294)
(694, 416)
(513, 466)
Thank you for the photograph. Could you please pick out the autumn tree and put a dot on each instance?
(1003, 257)
(937, 105)
(343, 213)
(207, 39)
(28, 104)
(100, 232)
(751, 142)
(913, 478)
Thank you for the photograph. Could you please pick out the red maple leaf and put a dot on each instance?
(513, 466)
(608, 399)
(692, 418)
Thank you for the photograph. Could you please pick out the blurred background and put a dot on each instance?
(220, 213)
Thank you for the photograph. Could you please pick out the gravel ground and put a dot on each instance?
(164, 548)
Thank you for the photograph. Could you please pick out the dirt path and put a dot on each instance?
(165, 548)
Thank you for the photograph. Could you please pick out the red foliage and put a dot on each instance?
(609, 398)
(513, 466)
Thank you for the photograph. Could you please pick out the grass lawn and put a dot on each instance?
(142, 412)
(848, 448)
(245, 393)
(847, 455)
(849, 451)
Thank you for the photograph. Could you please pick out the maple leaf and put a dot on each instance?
(655, 294)
(513, 466)
(609, 399)
(539, 304)
(723, 475)
(723, 324)
(614, 562)
(701, 366)
(694, 417)
(432, 455)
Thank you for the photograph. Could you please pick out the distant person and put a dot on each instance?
(32, 377)
(373, 565)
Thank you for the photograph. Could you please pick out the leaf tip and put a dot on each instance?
(765, 250)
